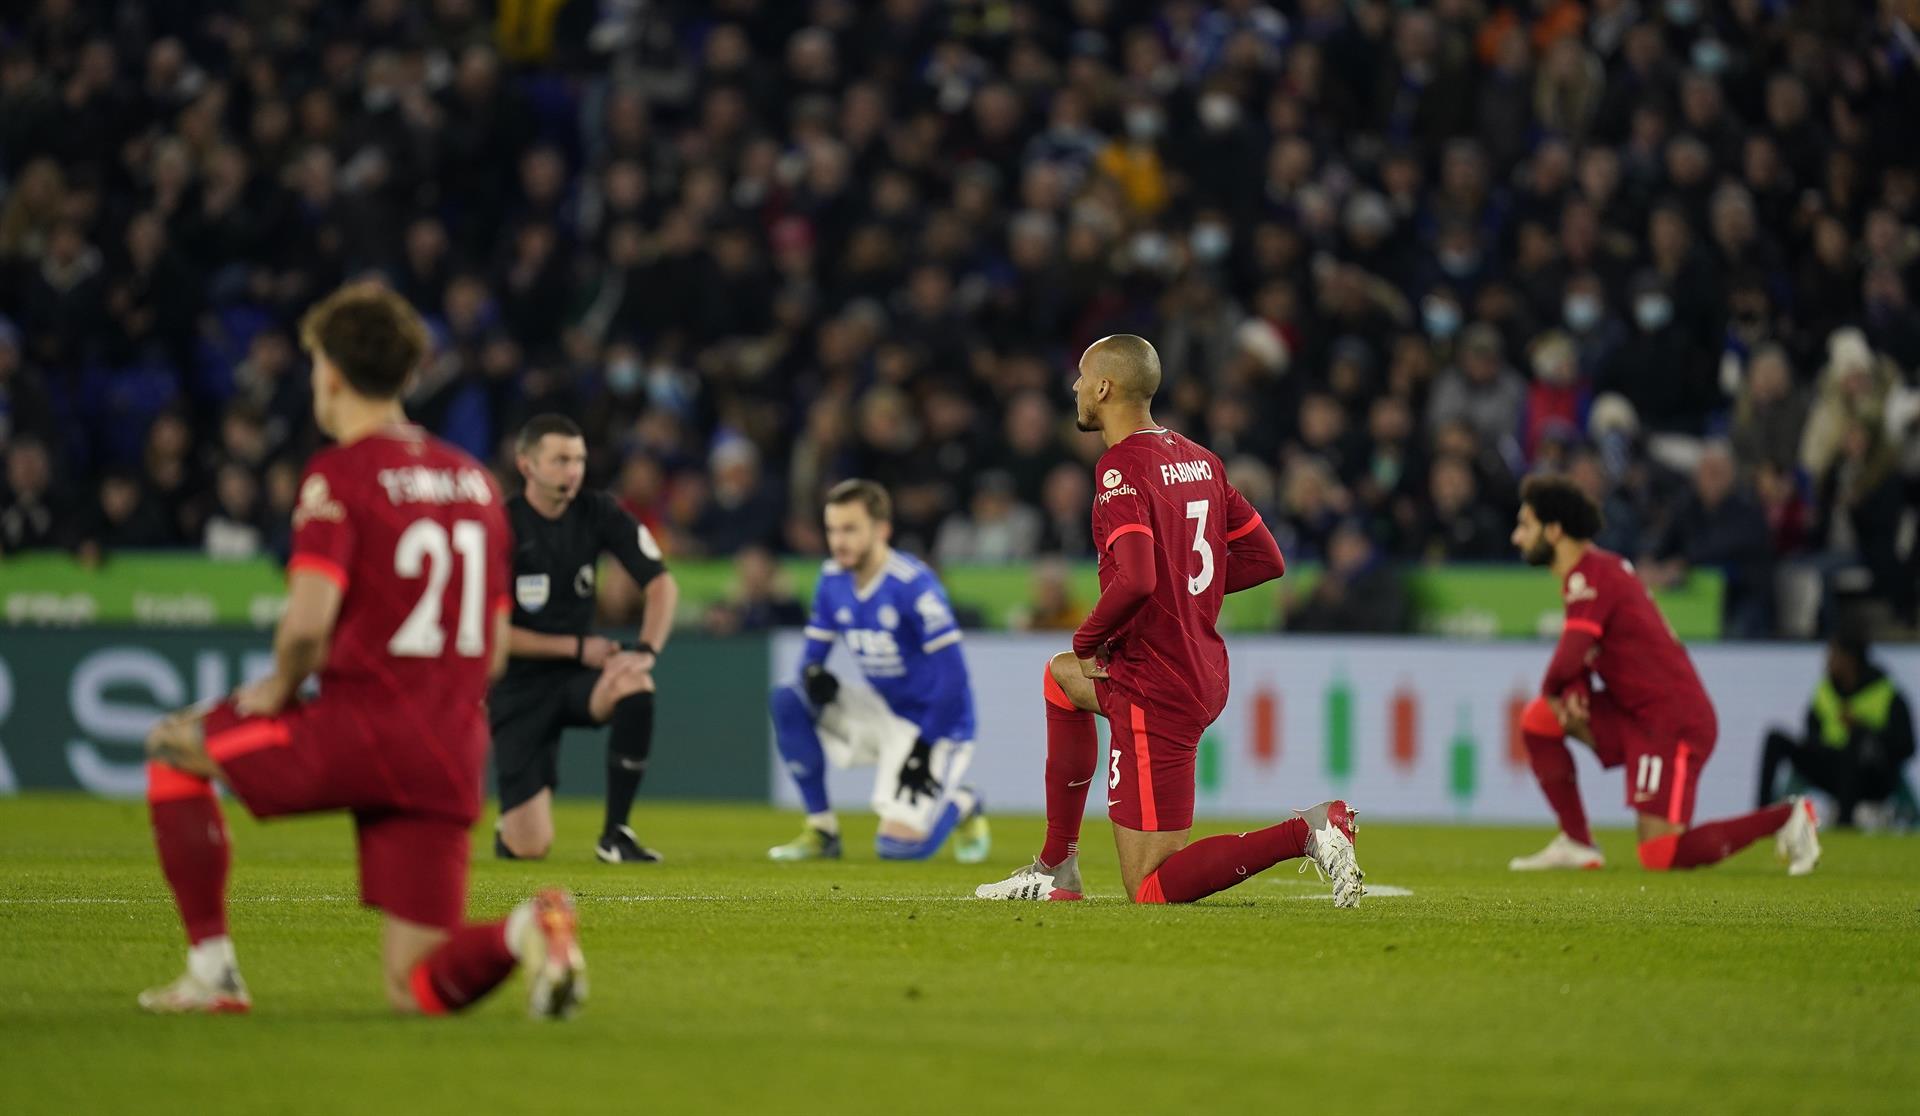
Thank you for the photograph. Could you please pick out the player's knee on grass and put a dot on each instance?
(527, 831)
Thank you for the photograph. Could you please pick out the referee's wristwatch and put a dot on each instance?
(644, 647)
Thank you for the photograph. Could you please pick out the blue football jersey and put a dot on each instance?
(905, 640)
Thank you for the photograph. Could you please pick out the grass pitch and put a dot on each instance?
(724, 983)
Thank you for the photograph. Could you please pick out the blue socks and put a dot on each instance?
(799, 745)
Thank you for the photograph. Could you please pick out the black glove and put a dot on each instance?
(916, 775)
(820, 684)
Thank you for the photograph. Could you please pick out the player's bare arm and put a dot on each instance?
(299, 643)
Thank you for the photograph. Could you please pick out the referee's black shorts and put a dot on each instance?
(527, 714)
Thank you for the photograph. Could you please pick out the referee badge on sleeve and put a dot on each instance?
(531, 591)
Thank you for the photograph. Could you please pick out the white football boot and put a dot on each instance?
(1798, 841)
(1058, 884)
(544, 934)
(1330, 829)
(1561, 853)
(210, 986)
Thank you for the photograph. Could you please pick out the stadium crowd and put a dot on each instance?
(1394, 256)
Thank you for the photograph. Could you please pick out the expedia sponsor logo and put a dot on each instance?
(1123, 490)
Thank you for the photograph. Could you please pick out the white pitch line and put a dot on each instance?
(1374, 891)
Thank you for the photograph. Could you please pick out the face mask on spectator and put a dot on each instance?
(623, 377)
(1652, 311)
(1150, 250)
(1582, 312)
(1219, 111)
(1710, 56)
(1143, 123)
(1210, 242)
(1442, 317)
(1458, 262)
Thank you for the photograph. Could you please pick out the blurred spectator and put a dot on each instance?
(1557, 400)
(743, 510)
(1051, 607)
(124, 518)
(233, 530)
(1481, 390)
(1621, 529)
(997, 527)
(24, 406)
(1357, 592)
(1067, 504)
(1661, 368)
(1720, 527)
(1770, 415)
(765, 247)
(28, 516)
(1860, 501)
(1854, 389)
(1456, 525)
(759, 599)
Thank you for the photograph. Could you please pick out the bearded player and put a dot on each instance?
(1652, 717)
(396, 600)
(1174, 538)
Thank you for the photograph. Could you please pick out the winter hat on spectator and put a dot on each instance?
(1257, 338)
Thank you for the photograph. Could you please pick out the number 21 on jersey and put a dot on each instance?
(424, 549)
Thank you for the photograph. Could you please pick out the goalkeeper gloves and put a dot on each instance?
(820, 684)
(916, 774)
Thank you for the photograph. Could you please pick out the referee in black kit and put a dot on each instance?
(559, 674)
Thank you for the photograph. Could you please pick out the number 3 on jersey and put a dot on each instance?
(425, 544)
(1197, 511)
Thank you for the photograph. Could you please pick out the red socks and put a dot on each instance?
(1713, 842)
(464, 969)
(1073, 746)
(1217, 863)
(1553, 767)
(191, 836)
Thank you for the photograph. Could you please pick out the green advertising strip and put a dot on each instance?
(76, 705)
(171, 590)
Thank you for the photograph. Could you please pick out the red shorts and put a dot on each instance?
(1150, 764)
(308, 760)
(1662, 763)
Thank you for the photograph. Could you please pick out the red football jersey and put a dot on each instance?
(414, 532)
(1169, 653)
(1636, 653)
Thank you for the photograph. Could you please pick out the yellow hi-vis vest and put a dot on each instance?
(1868, 708)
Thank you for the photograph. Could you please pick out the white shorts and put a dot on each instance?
(857, 729)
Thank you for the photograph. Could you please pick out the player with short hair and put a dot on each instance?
(396, 600)
(559, 674)
(915, 723)
(1653, 718)
(1174, 539)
